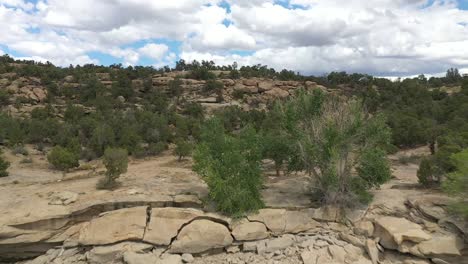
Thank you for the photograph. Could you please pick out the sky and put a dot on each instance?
(378, 37)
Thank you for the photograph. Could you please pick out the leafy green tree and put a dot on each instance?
(3, 166)
(183, 149)
(62, 158)
(102, 137)
(116, 163)
(456, 183)
(425, 172)
(230, 165)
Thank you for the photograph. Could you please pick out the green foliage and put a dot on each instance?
(3, 166)
(175, 87)
(230, 165)
(62, 158)
(334, 136)
(456, 183)
(201, 73)
(425, 172)
(183, 149)
(156, 148)
(116, 163)
(4, 97)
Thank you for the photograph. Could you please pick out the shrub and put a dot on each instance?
(334, 137)
(116, 163)
(156, 148)
(213, 86)
(456, 183)
(230, 165)
(62, 158)
(4, 97)
(183, 149)
(3, 167)
(20, 149)
(425, 172)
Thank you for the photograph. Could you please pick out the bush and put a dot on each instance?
(156, 148)
(425, 172)
(4, 97)
(334, 138)
(3, 167)
(62, 158)
(231, 167)
(183, 149)
(456, 183)
(20, 149)
(116, 163)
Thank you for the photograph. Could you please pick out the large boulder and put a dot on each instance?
(245, 231)
(166, 222)
(438, 246)
(200, 236)
(393, 231)
(277, 93)
(114, 226)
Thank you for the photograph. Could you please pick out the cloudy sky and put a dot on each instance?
(381, 37)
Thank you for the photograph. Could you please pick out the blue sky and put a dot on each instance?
(385, 37)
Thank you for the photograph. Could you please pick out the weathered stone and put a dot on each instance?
(187, 258)
(111, 254)
(114, 226)
(249, 82)
(277, 93)
(439, 261)
(200, 236)
(441, 245)
(337, 253)
(309, 257)
(170, 259)
(393, 231)
(372, 251)
(249, 247)
(364, 228)
(232, 249)
(279, 243)
(136, 258)
(165, 223)
(326, 213)
(245, 230)
(63, 198)
(280, 221)
(265, 86)
(352, 240)
(353, 253)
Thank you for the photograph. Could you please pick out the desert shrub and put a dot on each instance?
(116, 163)
(336, 136)
(26, 161)
(456, 183)
(156, 148)
(3, 166)
(182, 149)
(62, 158)
(238, 94)
(19, 149)
(213, 86)
(425, 172)
(4, 97)
(230, 165)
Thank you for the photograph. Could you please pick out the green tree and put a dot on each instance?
(456, 183)
(116, 163)
(425, 172)
(230, 165)
(62, 158)
(3, 166)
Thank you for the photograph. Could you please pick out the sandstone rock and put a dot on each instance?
(364, 228)
(39, 93)
(337, 253)
(170, 259)
(161, 81)
(353, 253)
(372, 251)
(135, 258)
(245, 89)
(114, 226)
(249, 246)
(265, 86)
(441, 245)
(187, 258)
(200, 236)
(352, 239)
(245, 230)
(439, 261)
(249, 82)
(277, 93)
(166, 222)
(326, 213)
(187, 201)
(309, 257)
(281, 221)
(393, 231)
(228, 82)
(232, 249)
(114, 253)
(279, 243)
(63, 198)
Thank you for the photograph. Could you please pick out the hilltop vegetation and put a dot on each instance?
(339, 123)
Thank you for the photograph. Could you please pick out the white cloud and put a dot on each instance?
(385, 37)
(155, 51)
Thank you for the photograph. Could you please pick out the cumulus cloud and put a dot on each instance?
(155, 51)
(384, 37)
